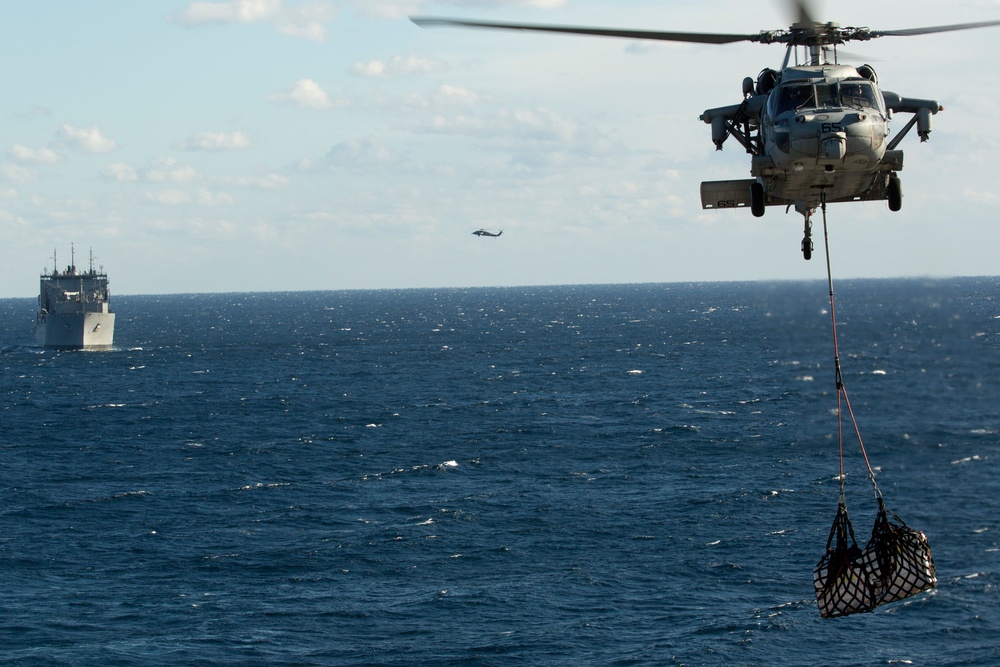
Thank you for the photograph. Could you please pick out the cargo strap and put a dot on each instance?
(842, 398)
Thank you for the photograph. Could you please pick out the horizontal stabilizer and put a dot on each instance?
(736, 194)
(726, 194)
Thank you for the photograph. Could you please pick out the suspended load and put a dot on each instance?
(897, 562)
(843, 585)
(898, 559)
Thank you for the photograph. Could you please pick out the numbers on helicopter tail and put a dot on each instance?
(728, 203)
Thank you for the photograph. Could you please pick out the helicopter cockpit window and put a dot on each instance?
(792, 97)
(826, 96)
(859, 94)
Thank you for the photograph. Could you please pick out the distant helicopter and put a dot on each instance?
(816, 131)
(483, 232)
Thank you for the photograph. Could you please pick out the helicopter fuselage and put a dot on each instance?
(823, 129)
(816, 133)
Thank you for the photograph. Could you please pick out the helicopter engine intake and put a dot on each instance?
(766, 81)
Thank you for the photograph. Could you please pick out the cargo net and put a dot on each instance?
(843, 583)
(898, 558)
(895, 564)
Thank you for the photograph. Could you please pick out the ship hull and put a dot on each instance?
(74, 331)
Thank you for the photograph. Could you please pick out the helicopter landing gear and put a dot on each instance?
(757, 199)
(807, 243)
(894, 193)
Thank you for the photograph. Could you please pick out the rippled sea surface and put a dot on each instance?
(588, 475)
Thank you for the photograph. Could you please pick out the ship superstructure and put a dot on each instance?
(74, 308)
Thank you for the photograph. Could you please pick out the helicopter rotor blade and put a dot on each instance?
(698, 37)
(932, 29)
(803, 11)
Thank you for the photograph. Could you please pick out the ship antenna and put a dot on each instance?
(72, 258)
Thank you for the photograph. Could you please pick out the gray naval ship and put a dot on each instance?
(74, 308)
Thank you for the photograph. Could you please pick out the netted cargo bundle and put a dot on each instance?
(898, 558)
(895, 564)
(843, 583)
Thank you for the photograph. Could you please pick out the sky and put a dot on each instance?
(278, 145)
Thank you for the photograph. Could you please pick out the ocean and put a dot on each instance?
(574, 475)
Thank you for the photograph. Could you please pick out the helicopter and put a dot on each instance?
(483, 232)
(817, 131)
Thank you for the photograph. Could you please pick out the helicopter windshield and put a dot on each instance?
(826, 96)
(859, 94)
(792, 97)
(851, 93)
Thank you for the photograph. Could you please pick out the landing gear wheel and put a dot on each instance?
(757, 200)
(894, 192)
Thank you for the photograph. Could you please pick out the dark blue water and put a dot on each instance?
(593, 475)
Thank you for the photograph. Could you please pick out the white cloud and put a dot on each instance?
(167, 170)
(459, 111)
(400, 9)
(303, 21)
(214, 142)
(306, 165)
(305, 94)
(208, 198)
(162, 170)
(266, 182)
(398, 66)
(26, 155)
(121, 172)
(446, 97)
(86, 139)
(368, 152)
(536, 4)
(307, 21)
(237, 11)
(169, 197)
(17, 174)
(456, 94)
(979, 196)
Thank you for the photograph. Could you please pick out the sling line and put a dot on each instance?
(842, 397)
